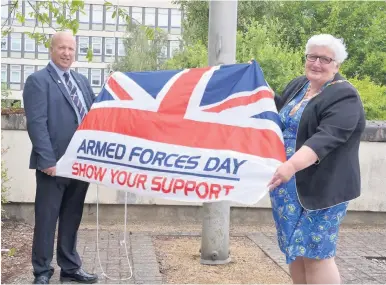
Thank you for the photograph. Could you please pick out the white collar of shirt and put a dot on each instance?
(59, 70)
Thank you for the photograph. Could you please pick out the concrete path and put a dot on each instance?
(361, 254)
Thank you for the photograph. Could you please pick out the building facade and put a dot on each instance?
(21, 55)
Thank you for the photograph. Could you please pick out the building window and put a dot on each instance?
(96, 77)
(16, 41)
(18, 10)
(97, 14)
(42, 48)
(69, 15)
(29, 44)
(150, 17)
(122, 20)
(109, 15)
(136, 15)
(163, 18)
(40, 67)
(15, 73)
(110, 46)
(164, 52)
(83, 45)
(97, 46)
(28, 70)
(121, 47)
(174, 47)
(4, 11)
(85, 17)
(83, 71)
(4, 43)
(42, 10)
(176, 21)
(4, 73)
(29, 10)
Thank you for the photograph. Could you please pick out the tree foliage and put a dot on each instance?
(361, 24)
(142, 53)
(373, 97)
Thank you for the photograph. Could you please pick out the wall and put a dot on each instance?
(22, 183)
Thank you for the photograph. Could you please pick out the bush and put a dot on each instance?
(190, 57)
(279, 63)
(373, 97)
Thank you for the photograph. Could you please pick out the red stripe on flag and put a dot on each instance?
(177, 99)
(118, 90)
(174, 130)
(240, 101)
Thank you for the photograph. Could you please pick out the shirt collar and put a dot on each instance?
(57, 69)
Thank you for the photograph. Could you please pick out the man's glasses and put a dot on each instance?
(322, 59)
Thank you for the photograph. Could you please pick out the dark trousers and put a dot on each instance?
(63, 199)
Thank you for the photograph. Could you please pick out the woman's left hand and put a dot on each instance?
(283, 173)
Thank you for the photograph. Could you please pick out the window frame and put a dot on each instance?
(113, 46)
(6, 43)
(6, 73)
(10, 73)
(122, 40)
(171, 19)
(99, 11)
(170, 47)
(83, 73)
(24, 71)
(96, 43)
(27, 5)
(88, 14)
(152, 14)
(133, 12)
(109, 19)
(167, 17)
(80, 45)
(12, 40)
(26, 39)
(100, 77)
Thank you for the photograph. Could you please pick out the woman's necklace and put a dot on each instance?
(308, 96)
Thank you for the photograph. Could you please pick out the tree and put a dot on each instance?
(259, 41)
(142, 53)
(64, 11)
(361, 24)
(192, 56)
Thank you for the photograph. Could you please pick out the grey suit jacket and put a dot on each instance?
(50, 113)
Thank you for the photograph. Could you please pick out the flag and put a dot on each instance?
(196, 135)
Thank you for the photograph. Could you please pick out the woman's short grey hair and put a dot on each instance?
(336, 45)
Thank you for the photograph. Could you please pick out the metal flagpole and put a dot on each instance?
(221, 50)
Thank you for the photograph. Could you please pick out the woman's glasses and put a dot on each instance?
(322, 59)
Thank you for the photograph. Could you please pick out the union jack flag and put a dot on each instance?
(227, 107)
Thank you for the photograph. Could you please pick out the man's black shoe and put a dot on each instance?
(79, 276)
(42, 279)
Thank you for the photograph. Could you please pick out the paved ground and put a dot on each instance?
(361, 253)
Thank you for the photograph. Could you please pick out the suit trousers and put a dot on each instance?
(63, 199)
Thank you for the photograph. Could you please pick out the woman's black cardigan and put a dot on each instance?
(331, 125)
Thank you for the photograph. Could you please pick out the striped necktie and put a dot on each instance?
(74, 95)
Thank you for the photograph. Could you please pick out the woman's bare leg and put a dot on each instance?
(298, 271)
(322, 271)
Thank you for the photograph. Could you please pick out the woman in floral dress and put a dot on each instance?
(323, 119)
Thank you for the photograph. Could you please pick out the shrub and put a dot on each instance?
(373, 97)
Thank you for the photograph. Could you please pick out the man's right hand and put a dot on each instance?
(51, 171)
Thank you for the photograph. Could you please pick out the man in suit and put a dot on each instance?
(56, 99)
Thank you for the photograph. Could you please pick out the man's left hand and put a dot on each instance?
(283, 173)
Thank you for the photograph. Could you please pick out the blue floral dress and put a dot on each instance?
(301, 232)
